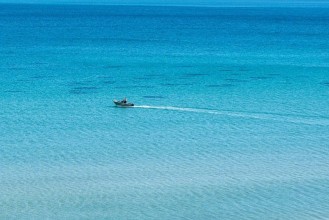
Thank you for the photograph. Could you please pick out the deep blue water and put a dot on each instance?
(231, 118)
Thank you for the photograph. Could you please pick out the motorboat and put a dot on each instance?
(123, 103)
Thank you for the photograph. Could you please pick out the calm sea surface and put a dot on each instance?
(231, 118)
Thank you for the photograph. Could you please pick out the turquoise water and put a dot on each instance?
(231, 118)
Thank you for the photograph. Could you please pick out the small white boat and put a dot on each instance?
(123, 103)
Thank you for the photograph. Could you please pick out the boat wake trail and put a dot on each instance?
(298, 119)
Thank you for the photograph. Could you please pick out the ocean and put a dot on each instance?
(231, 116)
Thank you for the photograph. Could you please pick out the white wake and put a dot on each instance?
(260, 116)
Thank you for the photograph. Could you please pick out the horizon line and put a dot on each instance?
(224, 5)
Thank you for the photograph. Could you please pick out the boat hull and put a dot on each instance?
(121, 104)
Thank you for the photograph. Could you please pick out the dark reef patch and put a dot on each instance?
(235, 80)
(220, 85)
(17, 68)
(142, 78)
(259, 77)
(195, 74)
(184, 66)
(40, 63)
(273, 74)
(24, 80)
(84, 90)
(226, 70)
(80, 83)
(176, 84)
(77, 83)
(153, 75)
(108, 82)
(104, 77)
(113, 66)
(41, 77)
(132, 86)
(153, 97)
(37, 77)
(244, 70)
(236, 74)
(169, 84)
(13, 91)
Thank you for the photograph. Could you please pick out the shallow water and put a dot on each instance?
(231, 118)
